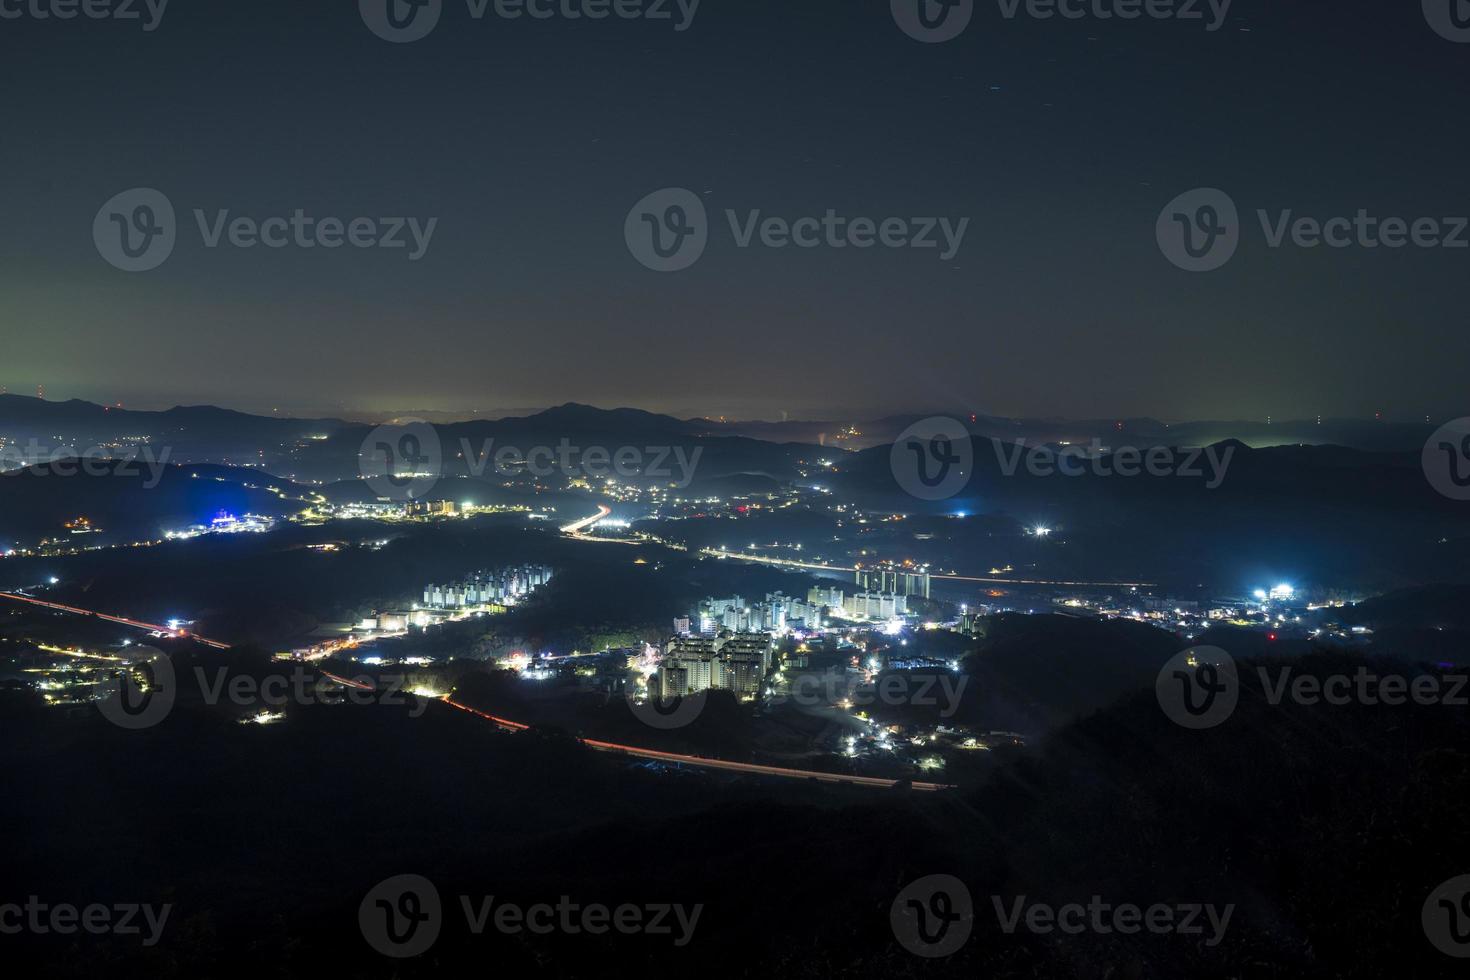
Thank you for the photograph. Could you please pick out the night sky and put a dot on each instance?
(1060, 140)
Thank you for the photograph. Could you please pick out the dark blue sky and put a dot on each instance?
(1060, 140)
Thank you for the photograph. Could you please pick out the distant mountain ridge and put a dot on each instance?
(314, 451)
(1367, 434)
(18, 411)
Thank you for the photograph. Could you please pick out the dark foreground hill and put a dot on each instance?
(1322, 828)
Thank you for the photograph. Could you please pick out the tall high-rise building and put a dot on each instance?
(486, 588)
(691, 664)
(905, 579)
(754, 646)
(876, 605)
(823, 596)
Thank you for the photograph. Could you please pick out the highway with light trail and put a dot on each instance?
(675, 758)
(136, 624)
(576, 529)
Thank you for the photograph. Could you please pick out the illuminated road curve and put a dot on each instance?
(150, 627)
(698, 761)
(578, 527)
